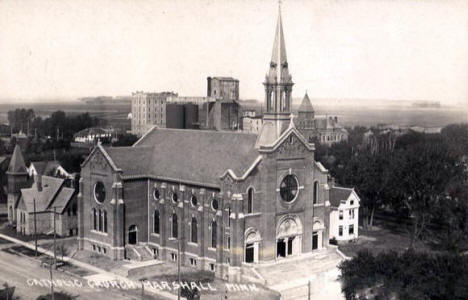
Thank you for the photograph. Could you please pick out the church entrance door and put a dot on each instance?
(281, 248)
(132, 234)
(314, 240)
(249, 253)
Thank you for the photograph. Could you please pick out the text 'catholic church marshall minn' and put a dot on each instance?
(230, 198)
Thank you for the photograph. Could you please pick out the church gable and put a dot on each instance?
(99, 160)
(291, 143)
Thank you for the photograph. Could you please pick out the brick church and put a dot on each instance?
(226, 198)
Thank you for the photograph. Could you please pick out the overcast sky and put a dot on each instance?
(400, 49)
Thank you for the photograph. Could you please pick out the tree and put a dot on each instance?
(421, 175)
(409, 275)
(370, 176)
(126, 139)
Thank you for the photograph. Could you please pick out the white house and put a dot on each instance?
(50, 168)
(344, 214)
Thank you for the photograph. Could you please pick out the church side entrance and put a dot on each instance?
(252, 242)
(289, 237)
(132, 234)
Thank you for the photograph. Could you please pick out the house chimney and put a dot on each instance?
(208, 87)
(38, 181)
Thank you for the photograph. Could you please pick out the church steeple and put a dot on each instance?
(278, 87)
(279, 71)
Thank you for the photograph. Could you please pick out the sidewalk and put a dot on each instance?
(101, 274)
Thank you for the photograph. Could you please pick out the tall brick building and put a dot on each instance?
(229, 198)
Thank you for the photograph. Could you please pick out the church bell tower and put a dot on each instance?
(278, 87)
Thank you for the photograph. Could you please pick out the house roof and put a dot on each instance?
(44, 167)
(51, 187)
(306, 105)
(187, 155)
(338, 194)
(90, 131)
(17, 165)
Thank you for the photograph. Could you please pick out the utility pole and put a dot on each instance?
(178, 267)
(55, 241)
(142, 288)
(35, 226)
(51, 282)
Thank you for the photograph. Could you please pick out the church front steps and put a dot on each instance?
(298, 268)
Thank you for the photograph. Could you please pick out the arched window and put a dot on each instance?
(316, 187)
(100, 220)
(94, 219)
(213, 234)
(105, 221)
(156, 221)
(174, 226)
(193, 237)
(250, 194)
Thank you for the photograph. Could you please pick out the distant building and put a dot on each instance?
(344, 215)
(322, 129)
(219, 110)
(17, 174)
(224, 88)
(252, 124)
(50, 168)
(149, 109)
(91, 135)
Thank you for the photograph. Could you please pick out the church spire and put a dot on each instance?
(279, 71)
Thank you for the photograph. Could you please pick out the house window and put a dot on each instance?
(351, 214)
(340, 231)
(316, 187)
(194, 232)
(174, 226)
(213, 234)
(351, 202)
(193, 262)
(94, 219)
(341, 215)
(212, 267)
(74, 209)
(94, 247)
(229, 242)
(173, 257)
(250, 195)
(105, 221)
(351, 229)
(156, 221)
(229, 217)
(175, 197)
(104, 250)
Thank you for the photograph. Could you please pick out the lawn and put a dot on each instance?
(383, 237)
(98, 260)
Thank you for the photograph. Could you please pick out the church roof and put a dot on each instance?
(17, 165)
(195, 156)
(338, 194)
(306, 105)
